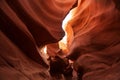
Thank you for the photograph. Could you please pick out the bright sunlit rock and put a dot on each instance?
(63, 44)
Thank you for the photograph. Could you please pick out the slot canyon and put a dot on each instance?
(59, 39)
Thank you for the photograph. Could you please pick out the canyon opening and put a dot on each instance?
(60, 40)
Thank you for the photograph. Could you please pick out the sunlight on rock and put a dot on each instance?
(66, 40)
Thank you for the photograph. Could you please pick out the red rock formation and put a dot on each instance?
(96, 45)
(26, 25)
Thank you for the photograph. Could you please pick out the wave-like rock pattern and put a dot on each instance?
(95, 49)
(26, 25)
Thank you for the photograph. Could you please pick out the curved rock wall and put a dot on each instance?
(26, 25)
(95, 49)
